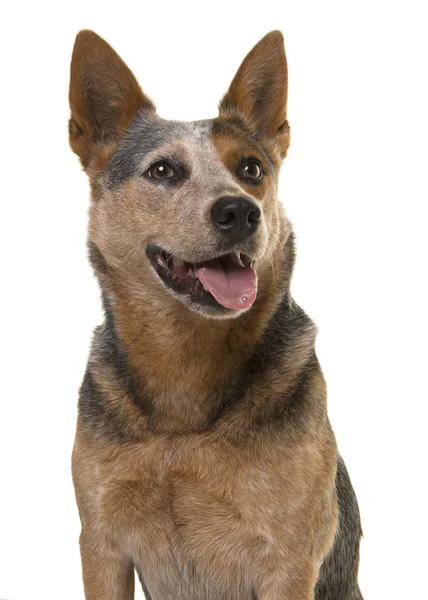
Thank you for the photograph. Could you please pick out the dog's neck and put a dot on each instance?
(178, 359)
(182, 353)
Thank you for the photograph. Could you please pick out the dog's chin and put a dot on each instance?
(178, 278)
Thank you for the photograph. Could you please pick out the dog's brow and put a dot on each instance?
(237, 131)
(150, 138)
(146, 135)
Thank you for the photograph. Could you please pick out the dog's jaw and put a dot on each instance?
(194, 284)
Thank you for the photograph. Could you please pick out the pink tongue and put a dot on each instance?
(232, 286)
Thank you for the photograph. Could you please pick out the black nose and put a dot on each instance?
(236, 217)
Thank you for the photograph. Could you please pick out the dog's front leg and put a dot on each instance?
(288, 584)
(107, 574)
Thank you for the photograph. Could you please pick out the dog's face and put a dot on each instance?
(184, 211)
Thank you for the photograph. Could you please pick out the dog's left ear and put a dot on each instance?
(258, 93)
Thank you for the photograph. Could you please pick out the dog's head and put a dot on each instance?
(182, 211)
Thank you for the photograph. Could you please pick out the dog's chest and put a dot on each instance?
(201, 495)
(196, 510)
(186, 492)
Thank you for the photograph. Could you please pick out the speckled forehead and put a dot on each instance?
(150, 138)
(201, 147)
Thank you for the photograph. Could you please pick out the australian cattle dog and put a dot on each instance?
(204, 459)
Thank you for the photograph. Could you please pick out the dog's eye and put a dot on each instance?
(161, 170)
(252, 170)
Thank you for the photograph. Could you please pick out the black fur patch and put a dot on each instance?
(94, 412)
(286, 328)
(338, 578)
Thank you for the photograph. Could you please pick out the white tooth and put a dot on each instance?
(190, 272)
(236, 257)
(246, 261)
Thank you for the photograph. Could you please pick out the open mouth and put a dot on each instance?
(228, 281)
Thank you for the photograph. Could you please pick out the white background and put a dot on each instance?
(355, 186)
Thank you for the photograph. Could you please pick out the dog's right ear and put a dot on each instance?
(104, 96)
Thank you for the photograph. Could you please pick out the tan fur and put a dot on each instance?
(139, 494)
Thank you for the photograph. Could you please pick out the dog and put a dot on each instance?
(204, 459)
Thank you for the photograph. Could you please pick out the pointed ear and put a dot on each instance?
(258, 93)
(104, 96)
